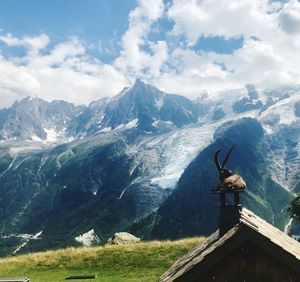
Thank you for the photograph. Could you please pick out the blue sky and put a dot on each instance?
(61, 18)
(96, 22)
(81, 50)
(99, 23)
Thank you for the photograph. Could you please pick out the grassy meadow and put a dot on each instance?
(134, 262)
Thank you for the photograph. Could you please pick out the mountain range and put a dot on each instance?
(142, 161)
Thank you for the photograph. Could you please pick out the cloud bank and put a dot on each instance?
(171, 59)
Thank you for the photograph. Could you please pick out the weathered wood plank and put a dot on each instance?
(15, 279)
(77, 277)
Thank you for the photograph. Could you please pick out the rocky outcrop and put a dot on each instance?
(122, 238)
(88, 239)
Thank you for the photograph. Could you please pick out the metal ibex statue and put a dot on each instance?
(229, 181)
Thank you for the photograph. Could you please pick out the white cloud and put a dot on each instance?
(66, 72)
(33, 44)
(192, 74)
(268, 57)
(60, 54)
(133, 59)
(289, 17)
(221, 18)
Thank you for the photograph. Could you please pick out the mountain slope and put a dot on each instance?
(192, 209)
(145, 261)
(71, 189)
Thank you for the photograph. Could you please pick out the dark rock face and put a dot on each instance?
(249, 103)
(246, 104)
(218, 114)
(147, 104)
(297, 109)
(89, 121)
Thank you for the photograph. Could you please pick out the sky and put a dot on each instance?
(82, 50)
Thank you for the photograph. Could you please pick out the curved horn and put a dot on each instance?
(227, 156)
(217, 160)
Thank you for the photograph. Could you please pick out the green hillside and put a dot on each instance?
(133, 262)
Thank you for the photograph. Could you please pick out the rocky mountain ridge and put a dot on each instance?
(133, 162)
(35, 119)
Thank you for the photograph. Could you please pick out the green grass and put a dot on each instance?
(133, 262)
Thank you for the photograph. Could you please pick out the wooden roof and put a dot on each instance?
(250, 228)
